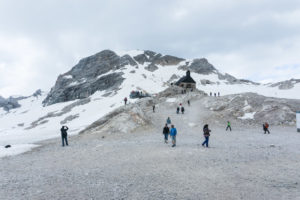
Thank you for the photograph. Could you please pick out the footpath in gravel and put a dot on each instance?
(242, 164)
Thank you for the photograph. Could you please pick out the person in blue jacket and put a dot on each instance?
(168, 121)
(173, 134)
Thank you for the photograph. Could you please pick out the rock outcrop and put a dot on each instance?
(91, 74)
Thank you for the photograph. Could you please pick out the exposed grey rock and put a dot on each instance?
(202, 66)
(285, 85)
(151, 68)
(275, 111)
(69, 118)
(132, 71)
(88, 76)
(9, 103)
(205, 82)
(141, 58)
(167, 60)
(37, 93)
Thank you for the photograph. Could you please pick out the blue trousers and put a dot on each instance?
(205, 141)
(63, 139)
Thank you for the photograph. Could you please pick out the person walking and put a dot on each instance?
(206, 133)
(182, 110)
(266, 128)
(125, 100)
(64, 135)
(153, 108)
(189, 103)
(166, 131)
(177, 111)
(228, 126)
(168, 121)
(173, 134)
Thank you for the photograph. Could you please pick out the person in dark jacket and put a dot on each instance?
(173, 134)
(189, 103)
(64, 135)
(166, 131)
(206, 133)
(182, 110)
(125, 100)
(153, 108)
(177, 111)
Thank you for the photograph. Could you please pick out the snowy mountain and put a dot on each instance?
(97, 86)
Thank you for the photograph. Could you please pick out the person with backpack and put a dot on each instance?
(125, 100)
(182, 110)
(266, 128)
(173, 134)
(206, 133)
(228, 125)
(177, 111)
(168, 121)
(166, 131)
(64, 135)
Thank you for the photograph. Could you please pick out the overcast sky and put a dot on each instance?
(252, 39)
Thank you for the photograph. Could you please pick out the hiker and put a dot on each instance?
(182, 110)
(228, 126)
(153, 108)
(210, 93)
(218, 94)
(64, 135)
(189, 103)
(177, 110)
(125, 100)
(206, 133)
(266, 128)
(173, 134)
(215, 94)
(168, 120)
(166, 131)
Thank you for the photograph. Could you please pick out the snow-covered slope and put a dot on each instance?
(136, 70)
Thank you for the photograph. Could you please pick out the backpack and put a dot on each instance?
(267, 125)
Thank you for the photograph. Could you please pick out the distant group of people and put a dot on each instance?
(215, 94)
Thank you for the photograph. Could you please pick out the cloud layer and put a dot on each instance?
(252, 39)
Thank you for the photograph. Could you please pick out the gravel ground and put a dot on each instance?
(242, 164)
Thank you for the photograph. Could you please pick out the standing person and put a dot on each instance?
(64, 135)
(215, 94)
(206, 133)
(228, 125)
(125, 100)
(210, 93)
(166, 131)
(153, 108)
(173, 134)
(177, 111)
(266, 128)
(168, 121)
(182, 110)
(218, 94)
(189, 103)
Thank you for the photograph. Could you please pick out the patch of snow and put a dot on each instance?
(16, 149)
(171, 100)
(68, 77)
(248, 116)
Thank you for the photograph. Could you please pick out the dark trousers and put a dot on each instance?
(205, 141)
(64, 139)
(266, 130)
(166, 136)
(228, 127)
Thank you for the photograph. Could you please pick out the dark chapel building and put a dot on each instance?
(186, 81)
